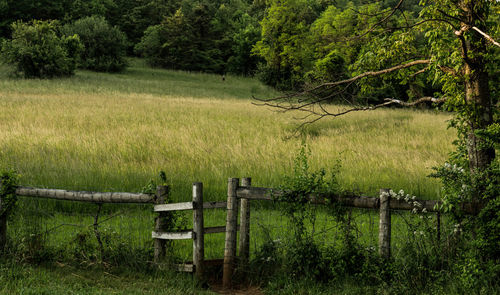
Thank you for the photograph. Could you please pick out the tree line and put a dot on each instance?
(287, 44)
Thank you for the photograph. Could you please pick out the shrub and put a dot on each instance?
(37, 51)
(105, 46)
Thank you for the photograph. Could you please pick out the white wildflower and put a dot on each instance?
(424, 210)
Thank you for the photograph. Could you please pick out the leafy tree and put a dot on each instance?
(284, 29)
(27, 10)
(37, 51)
(168, 44)
(247, 33)
(203, 36)
(460, 51)
(134, 17)
(105, 46)
(83, 8)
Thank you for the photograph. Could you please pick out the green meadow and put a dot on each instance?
(115, 132)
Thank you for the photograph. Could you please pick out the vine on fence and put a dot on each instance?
(303, 255)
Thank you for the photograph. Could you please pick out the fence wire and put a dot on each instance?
(269, 226)
(42, 229)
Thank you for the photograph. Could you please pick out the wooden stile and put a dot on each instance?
(384, 231)
(180, 235)
(162, 192)
(231, 225)
(198, 229)
(173, 207)
(188, 206)
(244, 242)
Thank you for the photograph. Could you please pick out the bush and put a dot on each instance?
(105, 46)
(37, 51)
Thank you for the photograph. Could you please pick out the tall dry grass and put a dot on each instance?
(115, 132)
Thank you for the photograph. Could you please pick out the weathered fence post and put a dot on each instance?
(198, 229)
(244, 242)
(231, 225)
(3, 224)
(384, 230)
(162, 192)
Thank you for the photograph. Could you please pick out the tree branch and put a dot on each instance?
(348, 81)
(384, 19)
(488, 37)
(381, 72)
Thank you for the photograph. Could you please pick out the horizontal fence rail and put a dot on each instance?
(188, 206)
(269, 194)
(187, 234)
(83, 196)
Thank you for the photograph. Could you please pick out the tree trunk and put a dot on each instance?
(477, 92)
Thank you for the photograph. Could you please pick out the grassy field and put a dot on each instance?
(114, 132)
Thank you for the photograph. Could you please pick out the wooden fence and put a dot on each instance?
(245, 193)
(81, 196)
(197, 234)
(238, 201)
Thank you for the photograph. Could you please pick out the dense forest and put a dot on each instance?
(287, 44)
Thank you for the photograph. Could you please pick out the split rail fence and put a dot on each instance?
(237, 204)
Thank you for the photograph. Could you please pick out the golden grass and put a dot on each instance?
(60, 134)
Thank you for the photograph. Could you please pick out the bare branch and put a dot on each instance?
(378, 73)
(449, 16)
(416, 102)
(381, 21)
(419, 72)
(488, 37)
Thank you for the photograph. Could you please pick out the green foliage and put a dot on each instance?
(284, 29)
(105, 46)
(460, 185)
(297, 191)
(303, 256)
(84, 8)
(37, 51)
(246, 34)
(8, 197)
(203, 36)
(174, 220)
(134, 17)
(12, 11)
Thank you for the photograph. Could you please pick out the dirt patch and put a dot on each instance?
(237, 290)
